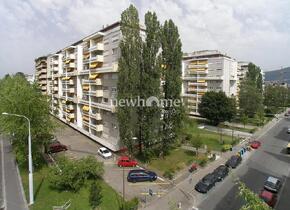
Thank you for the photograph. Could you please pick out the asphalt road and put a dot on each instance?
(12, 187)
(269, 159)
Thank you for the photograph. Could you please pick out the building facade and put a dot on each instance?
(81, 82)
(208, 70)
(41, 73)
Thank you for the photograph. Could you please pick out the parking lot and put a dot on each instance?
(80, 146)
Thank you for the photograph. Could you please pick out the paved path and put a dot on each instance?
(13, 188)
(227, 131)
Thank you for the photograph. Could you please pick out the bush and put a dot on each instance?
(71, 175)
(169, 174)
(227, 147)
(130, 205)
(203, 161)
(95, 198)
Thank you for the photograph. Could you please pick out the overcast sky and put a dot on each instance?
(249, 30)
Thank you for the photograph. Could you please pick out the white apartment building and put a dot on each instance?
(41, 73)
(208, 70)
(81, 81)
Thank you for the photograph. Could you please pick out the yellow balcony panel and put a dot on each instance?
(86, 108)
(71, 116)
(85, 118)
(63, 101)
(65, 78)
(201, 81)
(67, 61)
(86, 87)
(93, 76)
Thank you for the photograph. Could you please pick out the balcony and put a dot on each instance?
(70, 65)
(86, 118)
(86, 87)
(97, 58)
(197, 66)
(97, 116)
(71, 115)
(97, 47)
(70, 107)
(55, 101)
(93, 76)
(65, 78)
(98, 128)
(99, 93)
(69, 90)
(86, 108)
(55, 89)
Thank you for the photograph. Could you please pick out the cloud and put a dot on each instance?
(247, 30)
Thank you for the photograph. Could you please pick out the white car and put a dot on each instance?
(288, 130)
(105, 153)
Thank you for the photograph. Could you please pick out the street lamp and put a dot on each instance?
(30, 176)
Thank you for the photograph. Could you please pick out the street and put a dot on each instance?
(267, 160)
(13, 191)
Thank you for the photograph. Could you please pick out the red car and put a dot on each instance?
(269, 197)
(125, 161)
(255, 144)
(56, 147)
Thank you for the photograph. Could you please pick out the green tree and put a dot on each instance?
(171, 74)
(254, 74)
(129, 76)
(260, 117)
(250, 98)
(217, 107)
(275, 97)
(149, 116)
(20, 74)
(17, 96)
(244, 119)
(95, 198)
(196, 142)
(252, 201)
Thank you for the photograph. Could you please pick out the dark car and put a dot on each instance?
(210, 178)
(269, 197)
(272, 184)
(141, 176)
(56, 147)
(221, 172)
(203, 187)
(234, 161)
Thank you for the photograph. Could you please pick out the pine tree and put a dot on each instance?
(171, 63)
(129, 75)
(149, 117)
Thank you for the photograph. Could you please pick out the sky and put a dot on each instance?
(248, 30)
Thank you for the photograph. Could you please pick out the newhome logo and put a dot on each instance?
(148, 102)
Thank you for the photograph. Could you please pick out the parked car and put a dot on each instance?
(269, 197)
(288, 130)
(55, 147)
(210, 178)
(125, 161)
(234, 161)
(105, 153)
(203, 187)
(141, 175)
(255, 144)
(221, 172)
(272, 184)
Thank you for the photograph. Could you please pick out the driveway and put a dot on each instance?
(81, 146)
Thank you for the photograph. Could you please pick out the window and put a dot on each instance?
(114, 76)
(105, 100)
(105, 88)
(115, 51)
(114, 90)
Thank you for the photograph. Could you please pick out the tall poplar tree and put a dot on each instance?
(149, 117)
(171, 63)
(129, 75)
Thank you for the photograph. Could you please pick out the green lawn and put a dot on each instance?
(45, 197)
(175, 161)
(211, 139)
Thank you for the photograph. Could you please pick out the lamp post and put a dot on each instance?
(30, 170)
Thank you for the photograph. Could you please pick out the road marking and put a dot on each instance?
(3, 176)
(146, 184)
(160, 179)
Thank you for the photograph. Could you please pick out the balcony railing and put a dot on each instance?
(97, 47)
(97, 58)
(98, 128)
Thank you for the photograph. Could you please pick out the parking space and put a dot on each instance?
(80, 146)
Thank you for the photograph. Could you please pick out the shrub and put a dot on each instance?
(227, 147)
(169, 174)
(71, 175)
(203, 161)
(130, 205)
(95, 198)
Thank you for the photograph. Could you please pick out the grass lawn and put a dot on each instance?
(211, 139)
(45, 197)
(177, 159)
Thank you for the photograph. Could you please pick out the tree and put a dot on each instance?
(17, 96)
(244, 118)
(95, 198)
(20, 74)
(254, 74)
(171, 74)
(217, 107)
(275, 97)
(248, 92)
(260, 117)
(129, 75)
(196, 142)
(252, 201)
(149, 116)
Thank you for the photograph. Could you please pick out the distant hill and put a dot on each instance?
(282, 75)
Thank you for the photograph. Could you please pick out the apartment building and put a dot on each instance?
(82, 85)
(41, 73)
(208, 70)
